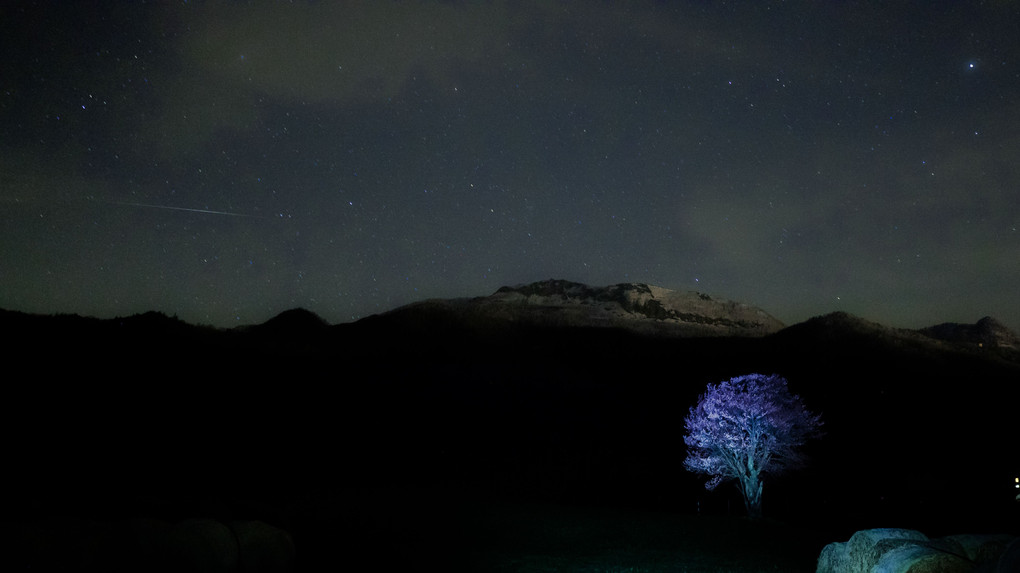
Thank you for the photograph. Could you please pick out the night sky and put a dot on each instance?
(224, 162)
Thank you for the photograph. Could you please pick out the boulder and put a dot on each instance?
(864, 549)
(140, 543)
(1009, 561)
(240, 546)
(201, 545)
(982, 548)
(909, 551)
(832, 558)
(913, 558)
(263, 548)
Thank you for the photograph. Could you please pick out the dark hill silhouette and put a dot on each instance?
(465, 395)
(298, 321)
(296, 330)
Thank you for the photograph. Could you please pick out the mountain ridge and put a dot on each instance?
(637, 307)
(657, 311)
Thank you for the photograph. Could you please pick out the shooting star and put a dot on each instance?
(206, 211)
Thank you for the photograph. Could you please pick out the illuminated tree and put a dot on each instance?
(744, 428)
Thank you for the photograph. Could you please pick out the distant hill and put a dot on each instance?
(988, 332)
(987, 338)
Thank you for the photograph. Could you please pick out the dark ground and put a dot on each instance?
(505, 450)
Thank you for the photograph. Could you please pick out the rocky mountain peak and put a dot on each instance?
(551, 287)
(630, 305)
(994, 333)
(987, 332)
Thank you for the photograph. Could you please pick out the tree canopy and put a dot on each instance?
(745, 428)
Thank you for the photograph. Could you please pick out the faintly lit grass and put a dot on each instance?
(401, 530)
(535, 538)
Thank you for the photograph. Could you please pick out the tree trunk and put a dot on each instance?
(751, 486)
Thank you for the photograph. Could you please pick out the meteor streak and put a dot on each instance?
(207, 211)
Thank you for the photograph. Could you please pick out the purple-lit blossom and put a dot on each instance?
(745, 427)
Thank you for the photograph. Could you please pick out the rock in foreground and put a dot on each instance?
(907, 551)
